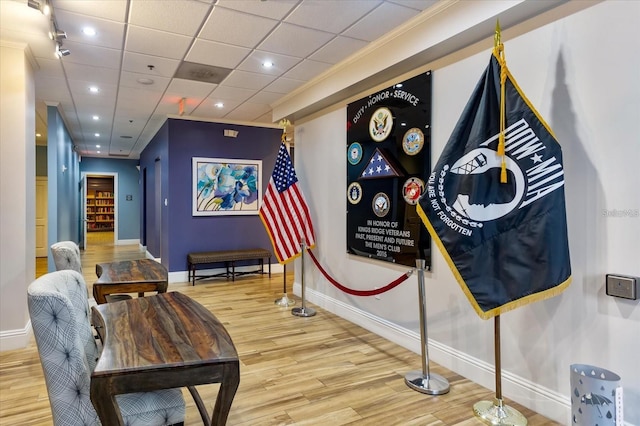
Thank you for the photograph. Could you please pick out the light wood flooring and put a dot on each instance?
(316, 371)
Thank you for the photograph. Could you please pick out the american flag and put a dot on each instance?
(284, 211)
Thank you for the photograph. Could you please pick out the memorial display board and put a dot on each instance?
(388, 160)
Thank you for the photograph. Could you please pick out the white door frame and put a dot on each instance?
(84, 177)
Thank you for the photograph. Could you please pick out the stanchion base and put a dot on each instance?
(284, 301)
(497, 414)
(303, 312)
(434, 384)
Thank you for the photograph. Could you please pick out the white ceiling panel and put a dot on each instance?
(236, 28)
(139, 63)
(216, 54)
(50, 68)
(174, 16)
(307, 69)
(190, 89)
(380, 21)
(114, 10)
(91, 75)
(156, 43)
(333, 16)
(248, 111)
(273, 9)
(228, 93)
(108, 33)
(338, 49)
(92, 55)
(248, 80)
(264, 97)
(281, 63)
(284, 85)
(293, 40)
(134, 80)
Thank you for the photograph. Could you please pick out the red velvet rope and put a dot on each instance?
(380, 290)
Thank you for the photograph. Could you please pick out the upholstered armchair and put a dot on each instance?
(60, 318)
(66, 255)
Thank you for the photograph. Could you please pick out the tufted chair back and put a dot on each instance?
(66, 255)
(60, 318)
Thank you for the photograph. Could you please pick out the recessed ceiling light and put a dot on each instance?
(97, 146)
(95, 117)
(145, 81)
(89, 31)
(97, 135)
(98, 152)
(38, 135)
(93, 89)
(267, 64)
(218, 104)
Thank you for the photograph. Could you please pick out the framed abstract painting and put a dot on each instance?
(224, 186)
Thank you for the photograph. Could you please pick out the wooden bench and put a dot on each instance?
(229, 258)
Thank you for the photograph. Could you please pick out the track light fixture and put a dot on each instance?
(59, 34)
(60, 52)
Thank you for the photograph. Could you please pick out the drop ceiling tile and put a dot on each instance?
(338, 49)
(416, 4)
(216, 54)
(226, 93)
(131, 79)
(281, 63)
(284, 85)
(156, 43)
(307, 69)
(114, 10)
(190, 89)
(92, 75)
(139, 63)
(236, 28)
(333, 16)
(270, 9)
(208, 109)
(108, 33)
(248, 111)
(293, 40)
(96, 56)
(380, 21)
(174, 16)
(49, 68)
(264, 97)
(248, 80)
(130, 99)
(52, 89)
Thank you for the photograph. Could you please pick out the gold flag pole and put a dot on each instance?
(495, 412)
(284, 301)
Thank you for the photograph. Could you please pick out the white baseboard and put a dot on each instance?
(183, 276)
(547, 402)
(128, 242)
(15, 339)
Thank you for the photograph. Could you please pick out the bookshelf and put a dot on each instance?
(100, 204)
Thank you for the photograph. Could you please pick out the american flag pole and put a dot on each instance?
(303, 311)
(285, 301)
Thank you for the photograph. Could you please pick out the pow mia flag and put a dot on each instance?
(506, 243)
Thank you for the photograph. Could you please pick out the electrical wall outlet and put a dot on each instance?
(622, 286)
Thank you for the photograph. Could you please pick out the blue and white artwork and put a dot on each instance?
(223, 186)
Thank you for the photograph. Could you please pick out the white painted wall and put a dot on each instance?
(17, 193)
(581, 72)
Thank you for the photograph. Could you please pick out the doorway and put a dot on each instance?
(100, 209)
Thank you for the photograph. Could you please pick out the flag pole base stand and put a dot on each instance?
(497, 414)
(303, 312)
(284, 301)
(433, 384)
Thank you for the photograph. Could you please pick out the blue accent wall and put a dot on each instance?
(128, 184)
(63, 183)
(174, 146)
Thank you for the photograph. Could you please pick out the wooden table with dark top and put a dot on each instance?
(157, 342)
(129, 276)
